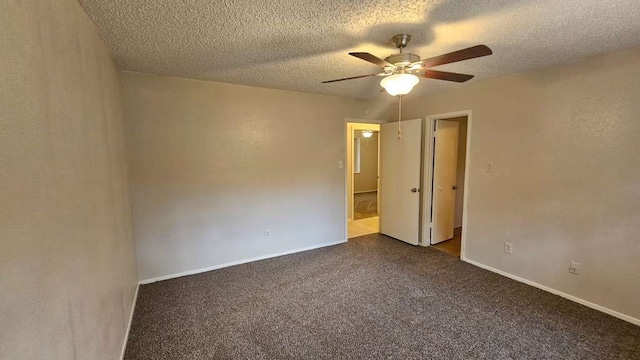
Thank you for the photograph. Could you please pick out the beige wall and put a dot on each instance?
(565, 143)
(67, 261)
(367, 179)
(215, 165)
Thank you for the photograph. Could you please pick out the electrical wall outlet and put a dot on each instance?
(267, 233)
(574, 268)
(508, 247)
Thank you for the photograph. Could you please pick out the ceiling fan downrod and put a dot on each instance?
(401, 41)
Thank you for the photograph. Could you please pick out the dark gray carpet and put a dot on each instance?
(372, 298)
(365, 205)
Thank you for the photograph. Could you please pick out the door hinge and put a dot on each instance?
(431, 225)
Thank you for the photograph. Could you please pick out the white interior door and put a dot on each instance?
(444, 180)
(400, 180)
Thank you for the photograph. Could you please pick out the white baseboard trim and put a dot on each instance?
(365, 191)
(239, 262)
(126, 335)
(557, 292)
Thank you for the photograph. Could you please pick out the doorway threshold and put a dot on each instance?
(363, 227)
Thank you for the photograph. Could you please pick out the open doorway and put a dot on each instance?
(363, 160)
(447, 186)
(365, 174)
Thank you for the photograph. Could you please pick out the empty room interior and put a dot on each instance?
(446, 179)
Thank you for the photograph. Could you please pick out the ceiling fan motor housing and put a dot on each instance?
(403, 59)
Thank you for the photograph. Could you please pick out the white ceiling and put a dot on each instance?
(296, 44)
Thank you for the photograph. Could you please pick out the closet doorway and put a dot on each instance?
(447, 172)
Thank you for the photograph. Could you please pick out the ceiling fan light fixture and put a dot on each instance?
(399, 84)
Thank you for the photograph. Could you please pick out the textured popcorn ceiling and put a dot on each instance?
(295, 44)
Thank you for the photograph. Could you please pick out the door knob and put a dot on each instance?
(415, 190)
(455, 187)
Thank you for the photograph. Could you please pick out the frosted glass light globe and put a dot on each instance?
(399, 84)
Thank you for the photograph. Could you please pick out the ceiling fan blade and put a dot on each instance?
(370, 58)
(464, 54)
(349, 78)
(449, 76)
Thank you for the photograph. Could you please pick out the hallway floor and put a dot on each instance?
(452, 246)
(363, 227)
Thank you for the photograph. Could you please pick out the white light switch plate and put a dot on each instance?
(489, 167)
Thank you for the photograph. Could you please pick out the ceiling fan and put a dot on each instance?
(401, 71)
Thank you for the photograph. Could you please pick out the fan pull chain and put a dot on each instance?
(400, 117)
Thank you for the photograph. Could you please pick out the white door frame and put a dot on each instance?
(428, 176)
(346, 167)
